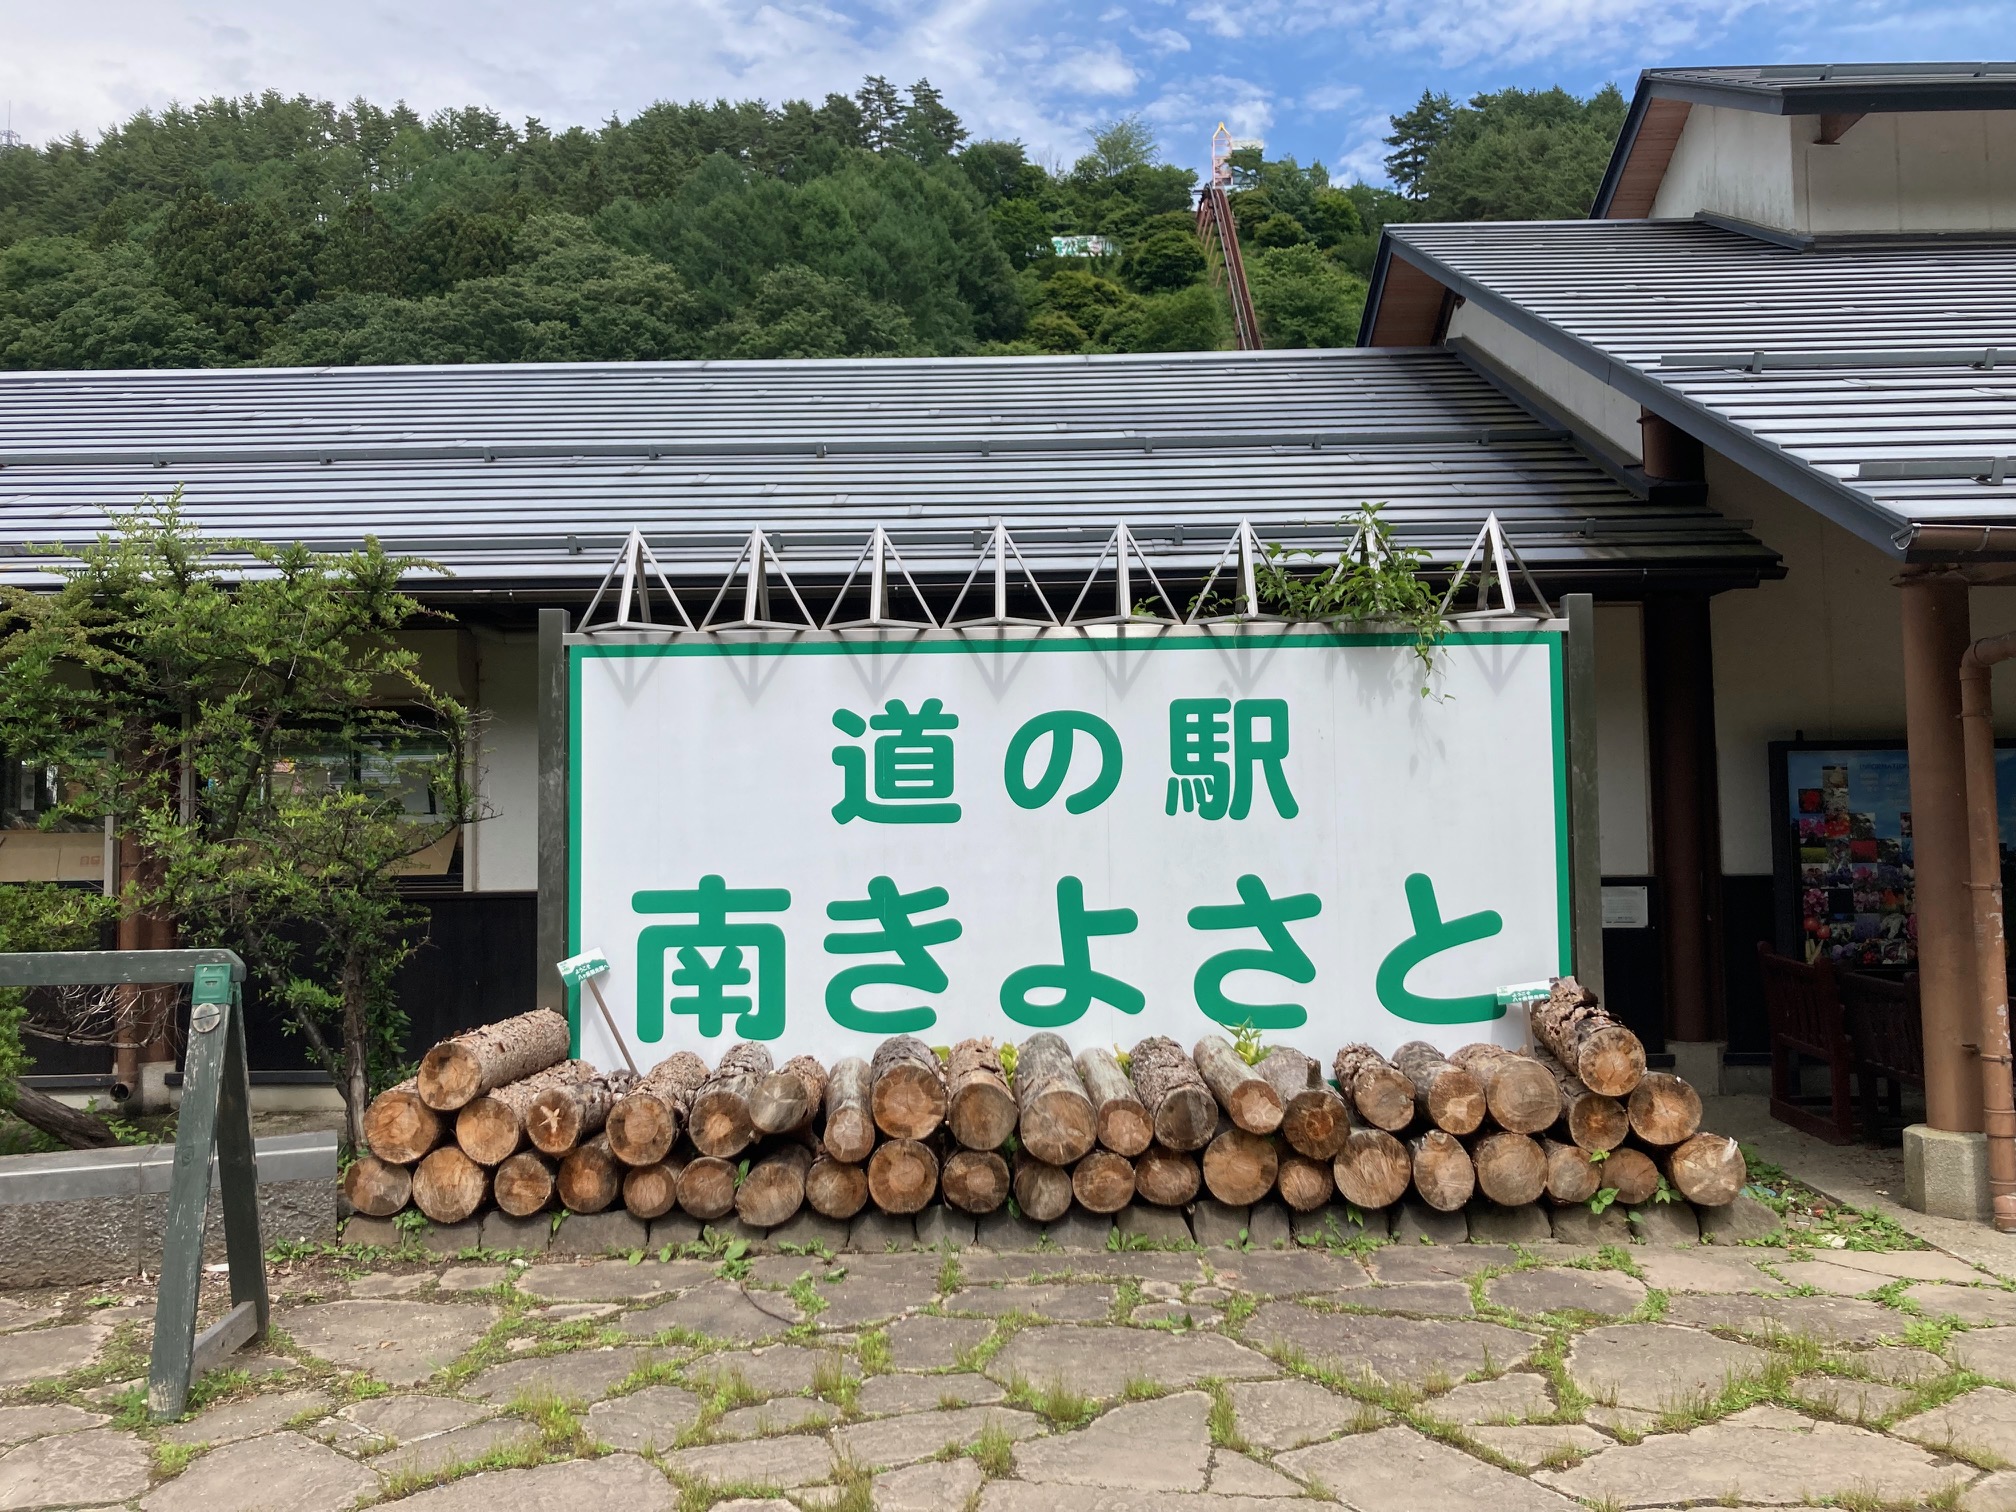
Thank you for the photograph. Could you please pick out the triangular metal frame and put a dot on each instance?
(1119, 546)
(635, 565)
(876, 557)
(1000, 546)
(760, 556)
(1499, 560)
(1246, 546)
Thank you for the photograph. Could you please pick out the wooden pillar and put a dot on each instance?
(1936, 633)
(1686, 811)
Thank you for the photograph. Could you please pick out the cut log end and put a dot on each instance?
(524, 1184)
(377, 1188)
(1304, 1184)
(1663, 1109)
(1240, 1167)
(1103, 1182)
(1708, 1170)
(1373, 1169)
(1042, 1190)
(1611, 1061)
(1443, 1174)
(836, 1188)
(399, 1127)
(975, 1181)
(707, 1188)
(902, 1176)
(651, 1191)
(1166, 1178)
(448, 1186)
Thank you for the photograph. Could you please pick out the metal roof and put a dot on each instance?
(532, 475)
(1877, 382)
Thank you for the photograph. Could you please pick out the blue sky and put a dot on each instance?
(1316, 78)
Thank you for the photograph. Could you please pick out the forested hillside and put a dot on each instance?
(290, 231)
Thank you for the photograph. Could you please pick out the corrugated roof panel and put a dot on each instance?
(534, 474)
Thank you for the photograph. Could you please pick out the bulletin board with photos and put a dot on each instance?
(1842, 846)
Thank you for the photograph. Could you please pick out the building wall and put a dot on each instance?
(1576, 394)
(1623, 768)
(1820, 651)
(1926, 171)
(505, 845)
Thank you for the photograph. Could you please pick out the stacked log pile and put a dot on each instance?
(501, 1116)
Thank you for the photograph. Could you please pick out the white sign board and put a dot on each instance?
(822, 841)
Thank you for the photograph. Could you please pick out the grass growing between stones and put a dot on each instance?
(1060, 1405)
(124, 1356)
(1223, 1420)
(873, 1351)
(981, 1355)
(950, 1275)
(173, 1459)
(1126, 1297)
(832, 1381)
(993, 1450)
(559, 1435)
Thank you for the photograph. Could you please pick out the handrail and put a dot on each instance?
(1217, 224)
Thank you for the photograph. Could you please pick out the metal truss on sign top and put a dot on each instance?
(1123, 589)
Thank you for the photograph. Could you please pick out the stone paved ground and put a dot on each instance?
(1387, 1379)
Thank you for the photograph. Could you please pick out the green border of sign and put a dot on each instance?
(1052, 641)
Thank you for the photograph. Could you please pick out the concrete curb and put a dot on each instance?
(144, 1170)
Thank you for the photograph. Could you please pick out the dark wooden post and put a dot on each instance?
(550, 928)
(1686, 811)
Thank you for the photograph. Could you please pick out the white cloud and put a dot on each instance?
(1095, 71)
(1163, 40)
(1332, 97)
(1221, 19)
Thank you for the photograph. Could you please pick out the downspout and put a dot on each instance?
(1984, 883)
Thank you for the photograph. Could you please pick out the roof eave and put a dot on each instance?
(1853, 511)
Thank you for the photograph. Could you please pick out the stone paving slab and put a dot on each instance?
(1021, 1496)
(1397, 1351)
(244, 1477)
(1143, 1446)
(777, 1369)
(1981, 1424)
(1446, 1299)
(922, 1393)
(1437, 1262)
(1857, 1401)
(617, 1481)
(402, 1343)
(1296, 1273)
(927, 1488)
(397, 1420)
(438, 1452)
(1658, 1366)
(1397, 1470)
(1831, 1320)
(888, 1442)
(934, 1343)
(1541, 1444)
(1988, 1306)
(1290, 1413)
(1509, 1399)
(19, 1424)
(1991, 1351)
(1100, 1362)
(785, 1463)
(1907, 1265)
(1608, 1294)
(872, 1300)
(1714, 1271)
(98, 1465)
(1061, 1304)
(1235, 1475)
(1765, 1456)
(583, 1376)
(37, 1354)
(18, 1314)
(649, 1419)
(781, 1415)
(231, 1421)
(612, 1280)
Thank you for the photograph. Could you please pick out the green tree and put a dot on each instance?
(794, 312)
(266, 741)
(881, 113)
(1164, 261)
(1304, 299)
(238, 268)
(929, 130)
(1118, 146)
(1278, 230)
(1414, 139)
(1193, 319)
(46, 916)
(1522, 155)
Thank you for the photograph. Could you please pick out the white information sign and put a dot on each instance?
(822, 841)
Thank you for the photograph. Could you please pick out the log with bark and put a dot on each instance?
(1511, 1168)
(849, 1136)
(1123, 1124)
(1663, 1109)
(645, 1123)
(1378, 1089)
(789, 1098)
(1184, 1112)
(1708, 1169)
(1591, 1120)
(1314, 1119)
(1570, 1022)
(570, 1112)
(1304, 1184)
(1443, 1174)
(74, 1128)
(1042, 1190)
(975, 1181)
(399, 1127)
(461, 1069)
(1520, 1094)
(908, 1096)
(448, 1186)
(774, 1189)
(720, 1123)
(523, 1184)
(1102, 1181)
(707, 1187)
(1373, 1169)
(1240, 1166)
(1166, 1177)
(1057, 1123)
(494, 1126)
(1247, 1098)
(652, 1191)
(377, 1188)
(1445, 1094)
(1571, 1175)
(902, 1175)
(1632, 1173)
(836, 1188)
(591, 1177)
(979, 1108)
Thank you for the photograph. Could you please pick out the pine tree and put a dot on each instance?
(881, 113)
(930, 130)
(1415, 136)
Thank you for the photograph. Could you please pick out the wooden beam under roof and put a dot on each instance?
(1651, 153)
(1409, 312)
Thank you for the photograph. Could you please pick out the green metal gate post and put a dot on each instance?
(216, 1116)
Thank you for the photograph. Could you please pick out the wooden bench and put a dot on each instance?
(1803, 1004)
(1888, 1038)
